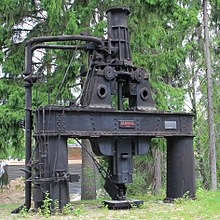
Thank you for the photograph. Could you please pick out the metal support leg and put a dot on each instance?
(58, 168)
(180, 168)
(53, 174)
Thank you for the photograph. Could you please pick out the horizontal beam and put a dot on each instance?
(85, 123)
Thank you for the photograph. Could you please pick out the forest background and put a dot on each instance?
(167, 39)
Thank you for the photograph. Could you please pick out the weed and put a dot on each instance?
(78, 211)
(186, 195)
(45, 208)
(67, 209)
(178, 200)
(39, 211)
(56, 206)
(182, 199)
(19, 187)
(23, 211)
(142, 206)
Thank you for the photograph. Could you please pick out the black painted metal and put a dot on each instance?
(28, 137)
(85, 122)
(180, 168)
(116, 113)
(118, 36)
(28, 133)
(123, 204)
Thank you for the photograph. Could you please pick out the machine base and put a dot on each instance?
(123, 204)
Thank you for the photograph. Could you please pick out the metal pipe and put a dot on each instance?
(28, 136)
(65, 38)
(28, 59)
(28, 133)
(30, 49)
(62, 47)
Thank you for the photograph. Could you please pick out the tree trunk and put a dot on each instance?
(200, 158)
(157, 172)
(212, 150)
(88, 187)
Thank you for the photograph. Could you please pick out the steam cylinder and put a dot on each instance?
(118, 36)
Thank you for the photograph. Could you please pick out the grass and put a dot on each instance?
(206, 206)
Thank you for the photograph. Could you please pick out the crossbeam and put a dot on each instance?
(88, 123)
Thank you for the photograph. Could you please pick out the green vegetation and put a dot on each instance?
(45, 210)
(206, 206)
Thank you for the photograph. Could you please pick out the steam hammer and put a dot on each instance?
(116, 113)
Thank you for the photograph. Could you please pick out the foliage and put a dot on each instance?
(11, 111)
(67, 209)
(23, 213)
(46, 206)
(143, 181)
(21, 20)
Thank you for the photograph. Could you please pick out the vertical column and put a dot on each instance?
(28, 136)
(51, 174)
(180, 167)
(58, 170)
